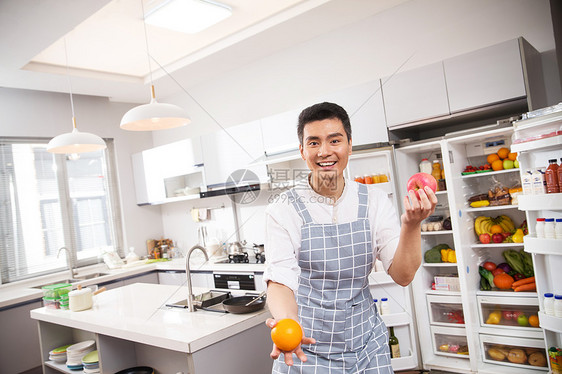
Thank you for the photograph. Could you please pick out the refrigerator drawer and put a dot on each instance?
(510, 313)
(445, 310)
(515, 352)
(449, 341)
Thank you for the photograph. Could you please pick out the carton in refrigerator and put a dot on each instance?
(448, 282)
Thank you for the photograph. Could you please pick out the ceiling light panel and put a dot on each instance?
(188, 16)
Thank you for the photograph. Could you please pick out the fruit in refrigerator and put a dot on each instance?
(503, 153)
(508, 164)
(494, 318)
(497, 165)
(444, 347)
(534, 320)
(522, 320)
(488, 265)
(480, 203)
(496, 354)
(492, 157)
(537, 359)
(485, 238)
(503, 281)
(497, 238)
(517, 356)
(509, 315)
(496, 229)
(516, 164)
(518, 236)
(419, 181)
(512, 156)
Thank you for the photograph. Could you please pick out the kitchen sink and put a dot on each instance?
(203, 300)
(59, 281)
(90, 276)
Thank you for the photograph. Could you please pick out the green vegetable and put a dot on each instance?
(433, 255)
(487, 275)
(521, 262)
(484, 285)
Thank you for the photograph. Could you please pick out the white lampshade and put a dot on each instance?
(75, 142)
(154, 116)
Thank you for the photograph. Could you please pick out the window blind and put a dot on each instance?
(51, 201)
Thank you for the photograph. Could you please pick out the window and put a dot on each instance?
(51, 201)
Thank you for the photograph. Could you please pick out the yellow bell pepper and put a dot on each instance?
(445, 254)
(452, 256)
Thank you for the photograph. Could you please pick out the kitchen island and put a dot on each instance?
(132, 326)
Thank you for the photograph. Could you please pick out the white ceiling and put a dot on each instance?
(107, 52)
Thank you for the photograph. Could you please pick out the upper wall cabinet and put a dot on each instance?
(169, 171)
(365, 108)
(415, 95)
(231, 149)
(486, 76)
(280, 132)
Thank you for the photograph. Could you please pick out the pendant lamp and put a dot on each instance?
(154, 115)
(75, 141)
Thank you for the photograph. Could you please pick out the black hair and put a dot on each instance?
(322, 111)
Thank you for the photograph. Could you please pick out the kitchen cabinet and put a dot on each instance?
(230, 149)
(168, 172)
(19, 339)
(280, 132)
(150, 278)
(547, 256)
(364, 105)
(414, 95)
(485, 76)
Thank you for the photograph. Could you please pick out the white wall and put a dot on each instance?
(43, 114)
(425, 30)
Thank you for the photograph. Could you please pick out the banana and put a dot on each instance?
(509, 222)
(477, 224)
(486, 225)
(504, 225)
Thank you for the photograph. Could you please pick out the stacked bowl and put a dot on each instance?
(76, 352)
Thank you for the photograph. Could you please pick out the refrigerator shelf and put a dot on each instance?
(444, 192)
(497, 245)
(488, 208)
(552, 201)
(396, 319)
(545, 144)
(498, 369)
(550, 323)
(441, 232)
(447, 363)
(510, 294)
(445, 293)
(403, 363)
(487, 174)
(440, 264)
(542, 246)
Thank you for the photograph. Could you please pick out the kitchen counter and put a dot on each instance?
(136, 314)
(23, 291)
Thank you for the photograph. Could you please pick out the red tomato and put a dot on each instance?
(490, 266)
(497, 271)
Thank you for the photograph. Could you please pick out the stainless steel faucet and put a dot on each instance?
(68, 261)
(188, 274)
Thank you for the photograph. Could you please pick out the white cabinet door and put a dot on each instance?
(151, 278)
(173, 277)
(485, 76)
(280, 132)
(231, 149)
(365, 108)
(415, 95)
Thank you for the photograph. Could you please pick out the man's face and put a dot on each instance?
(325, 148)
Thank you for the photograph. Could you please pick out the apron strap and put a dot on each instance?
(363, 201)
(294, 198)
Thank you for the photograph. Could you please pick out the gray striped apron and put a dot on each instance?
(334, 303)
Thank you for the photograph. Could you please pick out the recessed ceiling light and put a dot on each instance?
(188, 16)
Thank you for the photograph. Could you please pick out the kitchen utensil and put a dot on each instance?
(257, 298)
(259, 248)
(237, 305)
(236, 248)
(82, 298)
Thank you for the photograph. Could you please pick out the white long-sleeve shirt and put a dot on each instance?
(283, 227)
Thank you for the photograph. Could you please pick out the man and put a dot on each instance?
(322, 238)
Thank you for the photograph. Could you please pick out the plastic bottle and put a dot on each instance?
(539, 182)
(359, 179)
(558, 228)
(549, 228)
(551, 177)
(558, 305)
(548, 304)
(527, 183)
(385, 306)
(436, 170)
(425, 166)
(376, 301)
(539, 228)
(368, 179)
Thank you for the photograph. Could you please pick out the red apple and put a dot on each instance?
(419, 181)
(497, 238)
(484, 238)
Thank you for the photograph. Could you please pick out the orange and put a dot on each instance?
(496, 229)
(493, 157)
(503, 152)
(534, 320)
(512, 156)
(287, 334)
(497, 165)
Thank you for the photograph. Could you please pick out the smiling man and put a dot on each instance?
(322, 238)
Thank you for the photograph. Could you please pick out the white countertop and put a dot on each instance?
(137, 312)
(23, 291)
